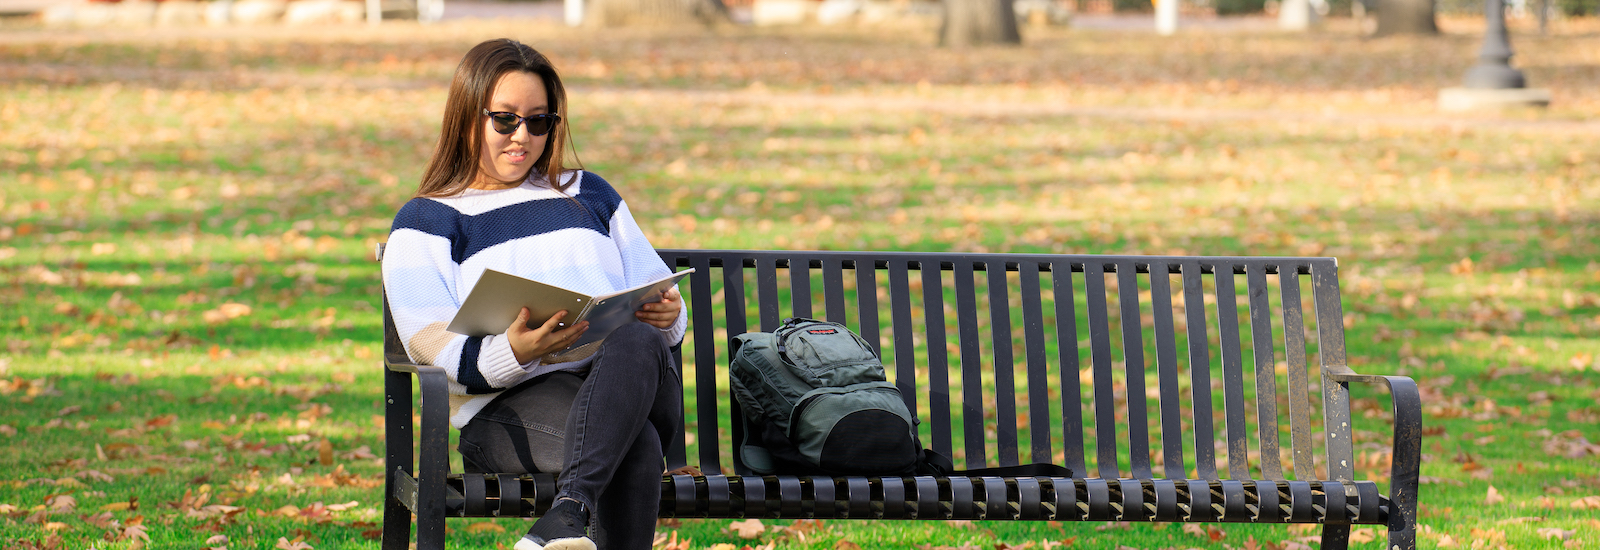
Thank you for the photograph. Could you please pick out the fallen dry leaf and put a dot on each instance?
(1493, 497)
(1208, 532)
(484, 527)
(748, 529)
(1555, 532)
(296, 544)
(1363, 535)
(1587, 503)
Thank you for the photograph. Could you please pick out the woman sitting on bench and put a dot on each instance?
(495, 195)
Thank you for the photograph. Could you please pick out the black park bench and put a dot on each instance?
(1176, 389)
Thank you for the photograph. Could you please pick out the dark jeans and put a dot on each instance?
(603, 431)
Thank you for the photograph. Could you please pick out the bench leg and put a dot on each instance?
(396, 518)
(1335, 537)
(397, 448)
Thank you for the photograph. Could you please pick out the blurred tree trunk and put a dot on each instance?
(1405, 17)
(616, 13)
(978, 22)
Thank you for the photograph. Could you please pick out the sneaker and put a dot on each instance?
(564, 527)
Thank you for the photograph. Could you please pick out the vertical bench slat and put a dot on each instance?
(676, 454)
(905, 345)
(867, 303)
(800, 286)
(767, 292)
(1330, 348)
(833, 289)
(1294, 343)
(1167, 370)
(971, 365)
(1105, 423)
(1063, 293)
(1232, 372)
(733, 304)
(1266, 371)
(938, 357)
(1194, 308)
(1005, 386)
(1133, 368)
(705, 361)
(1039, 428)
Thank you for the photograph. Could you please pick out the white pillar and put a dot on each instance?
(574, 12)
(1166, 17)
(429, 11)
(1296, 15)
(374, 11)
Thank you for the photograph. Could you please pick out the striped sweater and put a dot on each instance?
(439, 247)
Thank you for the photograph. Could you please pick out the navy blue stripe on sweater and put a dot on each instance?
(467, 373)
(469, 235)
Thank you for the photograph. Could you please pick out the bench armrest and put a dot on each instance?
(1404, 472)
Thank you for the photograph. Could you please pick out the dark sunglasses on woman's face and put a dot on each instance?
(538, 125)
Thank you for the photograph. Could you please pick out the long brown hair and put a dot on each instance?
(454, 165)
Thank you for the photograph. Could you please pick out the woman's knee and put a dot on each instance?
(640, 336)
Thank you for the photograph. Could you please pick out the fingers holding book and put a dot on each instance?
(664, 313)
(529, 343)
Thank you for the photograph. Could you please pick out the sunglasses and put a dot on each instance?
(538, 125)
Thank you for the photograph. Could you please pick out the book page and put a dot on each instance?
(611, 312)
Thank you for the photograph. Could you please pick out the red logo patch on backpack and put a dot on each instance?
(822, 331)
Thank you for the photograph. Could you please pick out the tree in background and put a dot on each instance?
(1404, 17)
(978, 22)
(616, 13)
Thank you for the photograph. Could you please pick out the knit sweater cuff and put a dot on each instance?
(498, 363)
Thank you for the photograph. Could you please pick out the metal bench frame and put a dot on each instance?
(1274, 494)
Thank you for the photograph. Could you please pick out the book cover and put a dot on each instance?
(497, 298)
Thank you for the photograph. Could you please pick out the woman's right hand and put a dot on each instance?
(529, 344)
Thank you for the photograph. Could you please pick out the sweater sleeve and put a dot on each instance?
(641, 263)
(421, 282)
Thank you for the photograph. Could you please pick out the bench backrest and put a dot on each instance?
(1122, 364)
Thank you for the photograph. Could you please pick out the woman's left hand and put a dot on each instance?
(664, 313)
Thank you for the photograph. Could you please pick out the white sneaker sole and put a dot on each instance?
(579, 543)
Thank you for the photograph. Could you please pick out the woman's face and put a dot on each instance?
(508, 157)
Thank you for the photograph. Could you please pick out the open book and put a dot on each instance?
(498, 297)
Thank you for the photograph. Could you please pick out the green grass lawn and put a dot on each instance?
(190, 314)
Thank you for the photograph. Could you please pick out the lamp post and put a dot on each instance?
(1493, 70)
(1493, 83)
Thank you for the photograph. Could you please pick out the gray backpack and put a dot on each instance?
(815, 401)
